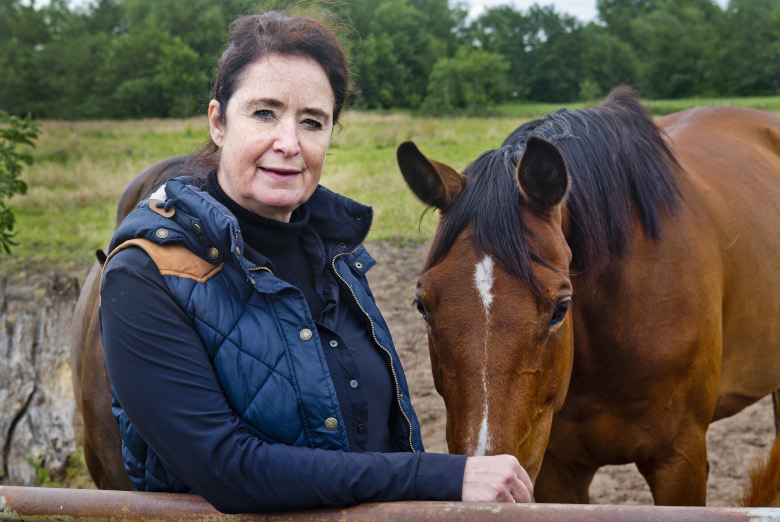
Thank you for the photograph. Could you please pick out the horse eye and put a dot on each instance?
(420, 308)
(559, 314)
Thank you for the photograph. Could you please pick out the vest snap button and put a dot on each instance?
(358, 265)
(197, 229)
(342, 245)
(213, 253)
(162, 233)
(305, 334)
(331, 423)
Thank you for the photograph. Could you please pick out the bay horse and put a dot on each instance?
(91, 387)
(601, 287)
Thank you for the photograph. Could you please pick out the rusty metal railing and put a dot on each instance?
(49, 504)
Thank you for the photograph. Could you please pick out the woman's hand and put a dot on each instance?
(499, 478)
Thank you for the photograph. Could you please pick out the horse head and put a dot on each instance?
(495, 293)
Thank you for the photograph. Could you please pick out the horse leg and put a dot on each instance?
(677, 474)
(561, 483)
(776, 404)
(102, 443)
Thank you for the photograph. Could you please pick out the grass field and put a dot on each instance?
(81, 169)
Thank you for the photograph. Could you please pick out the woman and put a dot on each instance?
(248, 359)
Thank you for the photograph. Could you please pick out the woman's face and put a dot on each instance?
(277, 130)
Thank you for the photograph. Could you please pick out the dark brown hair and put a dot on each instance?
(253, 37)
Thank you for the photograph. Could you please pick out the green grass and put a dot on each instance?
(81, 169)
(530, 110)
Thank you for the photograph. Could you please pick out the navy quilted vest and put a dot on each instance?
(257, 329)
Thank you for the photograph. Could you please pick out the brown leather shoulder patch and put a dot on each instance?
(174, 260)
(153, 206)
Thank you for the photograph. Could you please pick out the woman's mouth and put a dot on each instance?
(279, 172)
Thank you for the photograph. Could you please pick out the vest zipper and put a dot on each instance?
(373, 334)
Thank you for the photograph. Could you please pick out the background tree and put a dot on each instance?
(605, 61)
(154, 58)
(405, 39)
(554, 51)
(748, 55)
(677, 39)
(507, 32)
(14, 131)
(473, 79)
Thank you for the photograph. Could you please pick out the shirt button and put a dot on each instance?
(334, 343)
(353, 384)
(331, 423)
(361, 428)
(305, 334)
(326, 290)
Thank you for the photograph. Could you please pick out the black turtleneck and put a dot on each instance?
(278, 241)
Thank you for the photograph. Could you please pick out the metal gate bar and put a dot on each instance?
(49, 504)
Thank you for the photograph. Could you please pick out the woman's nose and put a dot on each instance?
(286, 140)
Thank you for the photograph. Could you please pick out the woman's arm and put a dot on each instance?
(167, 386)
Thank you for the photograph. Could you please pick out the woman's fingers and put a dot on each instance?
(498, 478)
(527, 486)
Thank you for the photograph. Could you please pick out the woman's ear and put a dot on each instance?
(215, 126)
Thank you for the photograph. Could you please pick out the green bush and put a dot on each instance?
(13, 132)
(473, 79)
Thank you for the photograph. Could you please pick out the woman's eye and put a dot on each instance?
(263, 113)
(559, 313)
(312, 124)
(421, 309)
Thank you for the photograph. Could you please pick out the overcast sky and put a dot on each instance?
(584, 10)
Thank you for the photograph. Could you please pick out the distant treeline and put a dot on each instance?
(153, 58)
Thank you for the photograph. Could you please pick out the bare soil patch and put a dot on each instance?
(733, 443)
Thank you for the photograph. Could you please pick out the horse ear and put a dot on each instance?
(434, 183)
(542, 174)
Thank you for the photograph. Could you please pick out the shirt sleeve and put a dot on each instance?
(167, 386)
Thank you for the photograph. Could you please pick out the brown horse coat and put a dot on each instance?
(673, 240)
(91, 386)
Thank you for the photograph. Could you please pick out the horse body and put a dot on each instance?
(679, 333)
(736, 174)
(91, 386)
(675, 328)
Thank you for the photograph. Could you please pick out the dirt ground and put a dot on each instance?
(733, 443)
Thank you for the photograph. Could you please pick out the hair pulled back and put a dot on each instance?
(254, 37)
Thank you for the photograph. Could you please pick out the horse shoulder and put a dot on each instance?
(142, 185)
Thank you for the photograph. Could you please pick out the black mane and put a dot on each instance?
(618, 161)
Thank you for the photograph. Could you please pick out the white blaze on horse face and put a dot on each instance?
(483, 280)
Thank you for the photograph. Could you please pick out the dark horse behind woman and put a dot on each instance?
(601, 288)
(102, 445)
